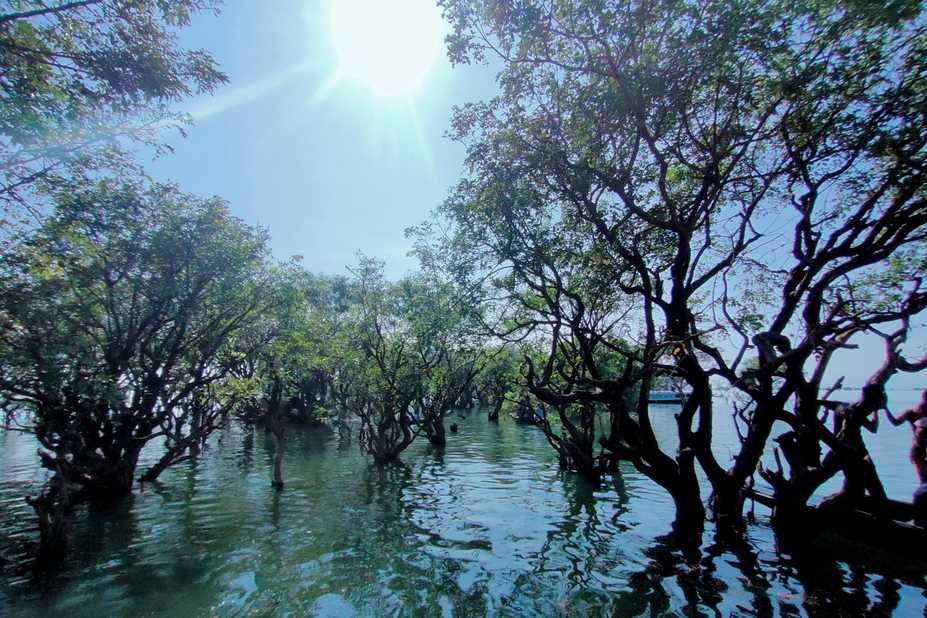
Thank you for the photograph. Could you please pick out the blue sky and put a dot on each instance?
(332, 170)
(328, 170)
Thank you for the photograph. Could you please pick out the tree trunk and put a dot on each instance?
(790, 513)
(174, 455)
(682, 485)
(497, 407)
(155, 471)
(277, 482)
(690, 512)
(434, 429)
(589, 469)
(51, 508)
(52, 533)
(106, 479)
(385, 457)
(118, 478)
(727, 503)
(195, 448)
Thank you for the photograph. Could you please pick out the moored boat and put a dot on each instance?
(661, 396)
(529, 419)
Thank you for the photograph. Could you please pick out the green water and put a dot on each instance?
(486, 526)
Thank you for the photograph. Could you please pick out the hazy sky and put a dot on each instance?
(328, 166)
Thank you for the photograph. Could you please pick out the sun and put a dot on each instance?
(389, 46)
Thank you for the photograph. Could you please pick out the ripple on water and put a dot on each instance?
(486, 526)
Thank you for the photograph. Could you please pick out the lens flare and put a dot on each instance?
(387, 46)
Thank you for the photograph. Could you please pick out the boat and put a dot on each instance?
(667, 397)
(530, 419)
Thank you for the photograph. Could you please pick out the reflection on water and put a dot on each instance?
(488, 525)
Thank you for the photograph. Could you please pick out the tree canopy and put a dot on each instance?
(79, 78)
(737, 188)
(115, 313)
(713, 194)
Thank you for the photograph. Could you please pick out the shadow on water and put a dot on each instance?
(487, 525)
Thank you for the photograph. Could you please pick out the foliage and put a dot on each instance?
(80, 77)
(116, 313)
(418, 358)
(293, 352)
(711, 181)
(499, 376)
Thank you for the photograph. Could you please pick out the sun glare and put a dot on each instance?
(387, 46)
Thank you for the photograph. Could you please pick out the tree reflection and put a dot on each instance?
(832, 588)
(746, 561)
(580, 535)
(246, 454)
(727, 577)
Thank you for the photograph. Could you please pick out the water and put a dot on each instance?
(486, 526)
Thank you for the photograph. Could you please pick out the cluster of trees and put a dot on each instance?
(116, 294)
(709, 192)
(722, 193)
(134, 316)
(116, 312)
(418, 354)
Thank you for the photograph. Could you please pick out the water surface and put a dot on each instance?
(487, 526)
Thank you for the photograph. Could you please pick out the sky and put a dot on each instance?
(328, 166)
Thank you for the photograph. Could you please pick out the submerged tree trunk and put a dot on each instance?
(727, 502)
(690, 512)
(575, 445)
(51, 507)
(80, 475)
(277, 482)
(174, 455)
(496, 409)
(276, 426)
(385, 457)
(274, 417)
(434, 429)
(152, 473)
(790, 512)
(119, 478)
